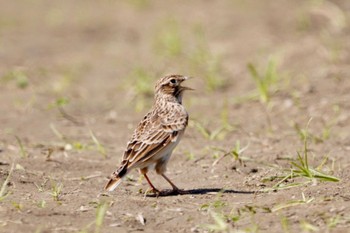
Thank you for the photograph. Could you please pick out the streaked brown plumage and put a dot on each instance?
(157, 134)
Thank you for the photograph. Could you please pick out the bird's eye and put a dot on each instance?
(173, 81)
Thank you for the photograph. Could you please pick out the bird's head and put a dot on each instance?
(170, 86)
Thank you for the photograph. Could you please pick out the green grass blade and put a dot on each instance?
(3, 193)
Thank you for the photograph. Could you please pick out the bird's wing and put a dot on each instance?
(153, 134)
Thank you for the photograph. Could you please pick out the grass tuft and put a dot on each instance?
(100, 214)
(18, 76)
(56, 190)
(3, 193)
(23, 152)
(266, 82)
(300, 168)
(219, 225)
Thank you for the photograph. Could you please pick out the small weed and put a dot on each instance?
(300, 168)
(101, 210)
(41, 187)
(41, 204)
(59, 104)
(220, 223)
(18, 76)
(236, 153)
(292, 203)
(3, 192)
(100, 214)
(23, 152)
(218, 133)
(214, 205)
(304, 133)
(325, 133)
(56, 190)
(58, 133)
(265, 83)
(285, 224)
(308, 227)
(18, 206)
(333, 221)
(71, 144)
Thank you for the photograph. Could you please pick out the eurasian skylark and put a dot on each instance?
(156, 135)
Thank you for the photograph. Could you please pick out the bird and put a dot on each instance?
(156, 136)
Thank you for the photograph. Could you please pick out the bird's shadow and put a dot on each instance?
(200, 191)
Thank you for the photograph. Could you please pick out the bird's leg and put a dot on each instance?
(170, 182)
(154, 190)
(175, 190)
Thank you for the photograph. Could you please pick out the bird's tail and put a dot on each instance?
(116, 177)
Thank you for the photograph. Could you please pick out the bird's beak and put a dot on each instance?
(186, 88)
(183, 88)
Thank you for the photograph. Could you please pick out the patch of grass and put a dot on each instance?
(71, 144)
(303, 133)
(217, 204)
(292, 203)
(56, 190)
(221, 220)
(285, 224)
(265, 82)
(235, 153)
(18, 206)
(58, 133)
(220, 224)
(18, 76)
(3, 192)
(218, 133)
(308, 227)
(41, 204)
(41, 187)
(59, 104)
(100, 214)
(300, 168)
(101, 210)
(325, 131)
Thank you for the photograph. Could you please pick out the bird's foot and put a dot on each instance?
(153, 192)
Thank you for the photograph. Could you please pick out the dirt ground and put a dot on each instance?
(77, 76)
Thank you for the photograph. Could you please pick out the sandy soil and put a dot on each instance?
(77, 76)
